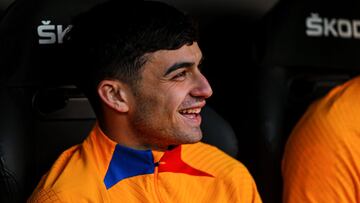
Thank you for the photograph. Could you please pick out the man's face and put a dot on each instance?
(169, 98)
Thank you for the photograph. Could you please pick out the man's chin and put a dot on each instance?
(185, 139)
(194, 138)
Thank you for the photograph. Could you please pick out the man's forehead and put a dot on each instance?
(191, 53)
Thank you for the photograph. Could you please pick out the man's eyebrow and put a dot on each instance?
(181, 65)
(178, 66)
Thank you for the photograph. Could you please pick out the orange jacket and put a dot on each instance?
(322, 156)
(100, 170)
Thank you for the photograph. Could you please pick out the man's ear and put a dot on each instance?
(114, 94)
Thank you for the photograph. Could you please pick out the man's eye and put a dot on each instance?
(180, 75)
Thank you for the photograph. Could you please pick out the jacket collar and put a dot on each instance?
(124, 162)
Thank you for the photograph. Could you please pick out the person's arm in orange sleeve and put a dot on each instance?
(321, 159)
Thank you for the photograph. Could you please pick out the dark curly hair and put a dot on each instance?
(111, 41)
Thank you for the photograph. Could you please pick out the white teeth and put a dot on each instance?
(191, 111)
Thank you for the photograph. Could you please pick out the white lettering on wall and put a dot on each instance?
(317, 26)
(51, 34)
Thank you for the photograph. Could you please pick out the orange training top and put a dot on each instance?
(100, 170)
(322, 156)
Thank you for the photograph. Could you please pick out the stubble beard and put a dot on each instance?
(152, 132)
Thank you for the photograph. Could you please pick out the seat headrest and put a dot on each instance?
(31, 35)
(312, 33)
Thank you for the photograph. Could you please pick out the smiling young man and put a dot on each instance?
(139, 65)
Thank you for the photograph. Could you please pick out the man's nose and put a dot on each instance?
(202, 87)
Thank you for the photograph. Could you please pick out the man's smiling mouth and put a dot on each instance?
(190, 111)
(192, 114)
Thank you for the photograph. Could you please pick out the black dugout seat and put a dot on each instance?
(42, 112)
(304, 48)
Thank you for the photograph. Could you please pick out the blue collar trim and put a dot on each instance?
(126, 163)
